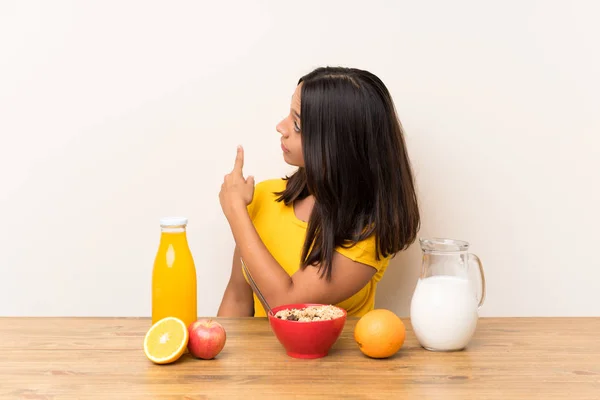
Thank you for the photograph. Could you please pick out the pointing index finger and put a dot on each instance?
(239, 160)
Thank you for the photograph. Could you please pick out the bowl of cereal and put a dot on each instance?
(307, 330)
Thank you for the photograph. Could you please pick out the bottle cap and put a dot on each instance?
(173, 221)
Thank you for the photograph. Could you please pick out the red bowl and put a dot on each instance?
(306, 339)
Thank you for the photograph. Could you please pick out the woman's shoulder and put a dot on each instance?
(270, 185)
(265, 192)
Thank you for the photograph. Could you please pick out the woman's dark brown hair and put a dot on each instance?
(355, 165)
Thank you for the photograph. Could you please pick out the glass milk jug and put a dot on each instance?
(445, 304)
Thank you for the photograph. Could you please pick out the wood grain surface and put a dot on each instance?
(102, 358)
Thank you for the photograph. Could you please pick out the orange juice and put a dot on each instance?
(174, 274)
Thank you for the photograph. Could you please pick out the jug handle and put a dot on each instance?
(482, 278)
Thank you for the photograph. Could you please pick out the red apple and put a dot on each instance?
(207, 338)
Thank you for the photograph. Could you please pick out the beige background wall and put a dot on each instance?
(113, 114)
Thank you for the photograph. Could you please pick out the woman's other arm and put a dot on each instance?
(237, 300)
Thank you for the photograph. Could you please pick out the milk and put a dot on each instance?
(444, 312)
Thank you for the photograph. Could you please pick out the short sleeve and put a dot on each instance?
(365, 252)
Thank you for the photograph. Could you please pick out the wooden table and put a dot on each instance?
(102, 358)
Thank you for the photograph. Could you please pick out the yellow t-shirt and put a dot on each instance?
(283, 234)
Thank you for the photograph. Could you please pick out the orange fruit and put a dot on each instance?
(379, 333)
(166, 340)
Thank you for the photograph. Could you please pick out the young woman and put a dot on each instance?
(326, 233)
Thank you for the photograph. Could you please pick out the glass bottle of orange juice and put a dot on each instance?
(174, 274)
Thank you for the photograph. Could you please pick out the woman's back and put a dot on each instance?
(283, 233)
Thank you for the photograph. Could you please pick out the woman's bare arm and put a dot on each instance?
(237, 300)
